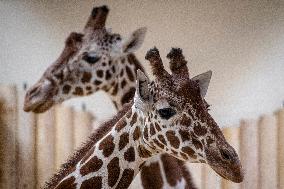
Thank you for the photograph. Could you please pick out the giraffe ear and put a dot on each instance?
(142, 90)
(203, 80)
(135, 40)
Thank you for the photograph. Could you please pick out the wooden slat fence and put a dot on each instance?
(260, 145)
(33, 146)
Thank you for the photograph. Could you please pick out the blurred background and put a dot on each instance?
(242, 42)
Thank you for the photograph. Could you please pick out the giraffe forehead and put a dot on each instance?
(178, 92)
(106, 39)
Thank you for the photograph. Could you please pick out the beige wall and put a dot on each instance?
(241, 41)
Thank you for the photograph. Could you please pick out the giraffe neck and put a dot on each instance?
(162, 170)
(113, 161)
(123, 89)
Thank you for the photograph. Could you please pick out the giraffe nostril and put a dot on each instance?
(33, 92)
(225, 155)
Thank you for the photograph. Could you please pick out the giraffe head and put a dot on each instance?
(176, 116)
(87, 64)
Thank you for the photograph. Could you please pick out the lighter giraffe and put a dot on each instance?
(98, 61)
(168, 115)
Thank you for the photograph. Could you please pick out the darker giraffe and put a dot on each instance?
(168, 115)
(99, 60)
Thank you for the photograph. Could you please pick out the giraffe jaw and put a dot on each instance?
(237, 176)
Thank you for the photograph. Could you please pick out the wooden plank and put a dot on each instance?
(249, 153)
(82, 127)
(8, 124)
(196, 173)
(64, 134)
(267, 152)
(45, 146)
(26, 162)
(232, 135)
(280, 125)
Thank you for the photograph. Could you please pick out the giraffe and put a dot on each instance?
(99, 60)
(167, 115)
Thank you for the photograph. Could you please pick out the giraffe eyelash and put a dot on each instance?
(208, 106)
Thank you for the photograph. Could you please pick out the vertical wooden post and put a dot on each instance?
(249, 154)
(26, 161)
(267, 152)
(232, 135)
(280, 125)
(210, 179)
(45, 146)
(196, 173)
(64, 134)
(82, 127)
(8, 124)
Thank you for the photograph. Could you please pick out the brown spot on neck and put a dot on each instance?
(86, 77)
(78, 91)
(134, 119)
(107, 146)
(128, 95)
(120, 125)
(126, 179)
(174, 141)
(143, 152)
(129, 74)
(94, 182)
(184, 135)
(113, 171)
(152, 129)
(100, 73)
(157, 127)
(129, 155)
(151, 176)
(145, 133)
(199, 130)
(197, 144)
(123, 140)
(189, 151)
(136, 134)
(66, 89)
(158, 143)
(108, 75)
(123, 83)
(93, 165)
(162, 139)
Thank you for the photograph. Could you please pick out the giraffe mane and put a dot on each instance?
(101, 131)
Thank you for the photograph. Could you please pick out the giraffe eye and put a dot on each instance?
(166, 113)
(91, 58)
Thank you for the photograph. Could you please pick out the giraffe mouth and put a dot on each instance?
(38, 107)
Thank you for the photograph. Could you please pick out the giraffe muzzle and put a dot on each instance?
(39, 98)
(225, 162)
